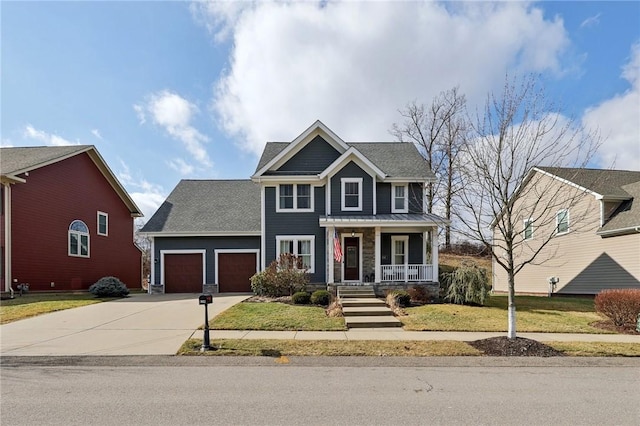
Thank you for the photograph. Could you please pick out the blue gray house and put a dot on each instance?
(316, 197)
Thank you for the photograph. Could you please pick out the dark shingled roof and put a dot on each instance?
(611, 184)
(209, 206)
(21, 159)
(396, 159)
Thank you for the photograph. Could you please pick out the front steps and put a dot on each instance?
(361, 308)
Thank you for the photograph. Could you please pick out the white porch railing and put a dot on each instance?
(407, 273)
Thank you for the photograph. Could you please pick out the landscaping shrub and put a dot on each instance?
(283, 277)
(334, 310)
(109, 287)
(321, 297)
(419, 294)
(466, 285)
(301, 298)
(622, 306)
(398, 299)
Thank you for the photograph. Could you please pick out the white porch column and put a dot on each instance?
(330, 233)
(378, 255)
(434, 252)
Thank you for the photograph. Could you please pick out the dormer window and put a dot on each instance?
(294, 198)
(351, 194)
(399, 199)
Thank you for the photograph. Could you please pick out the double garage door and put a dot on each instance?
(183, 273)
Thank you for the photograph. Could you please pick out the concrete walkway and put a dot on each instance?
(399, 334)
(139, 325)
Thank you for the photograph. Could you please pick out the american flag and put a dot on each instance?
(337, 250)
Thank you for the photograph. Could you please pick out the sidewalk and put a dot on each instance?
(399, 334)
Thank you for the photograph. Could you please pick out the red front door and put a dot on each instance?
(352, 259)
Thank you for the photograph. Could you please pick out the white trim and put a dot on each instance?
(358, 158)
(568, 222)
(314, 179)
(263, 230)
(371, 223)
(405, 239)
(330, 259)
(203, 252)
(375, 195)
(316, 129)
(344, 181)
(295, 208)
(434, 254)
(296, 239)
(216, 252)
(528, 222)
(152, 266)
(106, 215)
(568, 182)
(377, 254)
(393, 198)
(328, 197)
(400, 179)
(344, 255)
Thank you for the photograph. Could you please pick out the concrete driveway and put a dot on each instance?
(139, 325)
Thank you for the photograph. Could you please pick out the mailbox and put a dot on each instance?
(205, 299)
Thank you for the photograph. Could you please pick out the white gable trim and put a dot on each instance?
(317, 128)
(568, 182)
(356, 156)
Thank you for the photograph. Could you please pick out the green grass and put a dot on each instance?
(278, 348)
(31, 305)
(533, 314)
(275, 316)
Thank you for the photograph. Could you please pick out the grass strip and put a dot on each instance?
(277, 348)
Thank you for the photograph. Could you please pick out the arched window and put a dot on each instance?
(78, 239)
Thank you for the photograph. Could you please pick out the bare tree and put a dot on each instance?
(144, 244)
(439, 131)
(519, 130)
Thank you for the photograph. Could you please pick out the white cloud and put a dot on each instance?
(618, 120)
(591, 21)
(31, 132)
(5, 143)
(174, 114)
(181, 166)
(352, 65)
(147, 196)
(96, 133)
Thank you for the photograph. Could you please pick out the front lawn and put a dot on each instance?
(276, 316)
(34, 304)
(533, 314)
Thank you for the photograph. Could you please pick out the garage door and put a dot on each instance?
(235, 271)
(183, 273)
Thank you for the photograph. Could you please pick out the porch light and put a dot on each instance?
(353, 234)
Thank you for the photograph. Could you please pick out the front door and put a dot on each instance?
(352, 259)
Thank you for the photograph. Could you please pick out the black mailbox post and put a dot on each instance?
(206, 299)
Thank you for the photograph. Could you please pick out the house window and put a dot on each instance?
(399, 202)
(78, 239)
(528, 229)
(399, 247)
(294, 197)
(103, 224)
(301, 246)
(351, 194)
(562, 221)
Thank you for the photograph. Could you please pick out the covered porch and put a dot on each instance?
(396, 248)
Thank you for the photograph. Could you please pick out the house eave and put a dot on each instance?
(286, 178)
(8, 179)
(202, 234)
(620, 231)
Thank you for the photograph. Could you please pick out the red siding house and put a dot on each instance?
(66, 220)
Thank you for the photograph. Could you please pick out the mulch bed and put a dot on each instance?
(503, 346)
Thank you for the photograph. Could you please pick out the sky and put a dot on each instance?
(193, 90)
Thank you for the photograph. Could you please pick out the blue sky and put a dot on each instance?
(173, 90)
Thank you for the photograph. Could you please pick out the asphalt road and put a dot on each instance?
(264, 391)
